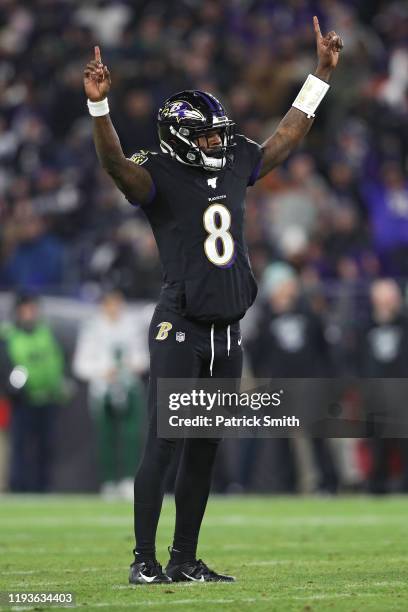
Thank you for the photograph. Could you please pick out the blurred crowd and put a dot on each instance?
(337, 210)
(41, 379)
(322, 229)
(68, 407)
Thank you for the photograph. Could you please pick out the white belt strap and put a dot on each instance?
(212, 350)
(228, 339)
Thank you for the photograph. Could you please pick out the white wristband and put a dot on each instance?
(98, 109)
(311, 94)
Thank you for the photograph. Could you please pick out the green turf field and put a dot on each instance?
(288, 554)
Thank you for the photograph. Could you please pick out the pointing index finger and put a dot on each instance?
(97, 54)
(316, 26)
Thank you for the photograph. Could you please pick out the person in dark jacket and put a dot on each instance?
(383, 353)
(291, 344)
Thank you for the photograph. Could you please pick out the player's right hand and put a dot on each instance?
(97, 79)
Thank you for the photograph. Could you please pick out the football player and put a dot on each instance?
(193, 194)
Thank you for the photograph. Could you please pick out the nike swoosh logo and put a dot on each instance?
(193, 579)
(147, 578)
(239, 342)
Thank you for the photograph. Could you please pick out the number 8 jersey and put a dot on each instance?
(197, 217)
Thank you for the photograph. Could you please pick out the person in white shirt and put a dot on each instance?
(111, 354)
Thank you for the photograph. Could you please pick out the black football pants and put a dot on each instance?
(187, 354)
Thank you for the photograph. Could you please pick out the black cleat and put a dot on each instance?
(147, 572)
(194, 571)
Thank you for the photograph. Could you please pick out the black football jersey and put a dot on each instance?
(197, 218)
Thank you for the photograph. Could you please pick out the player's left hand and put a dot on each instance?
(328, 47)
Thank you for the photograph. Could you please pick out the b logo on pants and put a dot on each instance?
(164, 329)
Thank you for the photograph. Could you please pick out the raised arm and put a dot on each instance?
(296, 123)
(133, 180)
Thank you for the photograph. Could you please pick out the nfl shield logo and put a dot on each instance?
(180, 336)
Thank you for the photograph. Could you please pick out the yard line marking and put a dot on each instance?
(355, 585)
(20, 573)
(23, 586)
(24, 550)
(228, 521)
(255, 563)
(310, 562)
(68, 570)
(272, 562)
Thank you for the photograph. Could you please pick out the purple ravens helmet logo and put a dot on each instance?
(179, 109)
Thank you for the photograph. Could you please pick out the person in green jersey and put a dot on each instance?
(35, 385)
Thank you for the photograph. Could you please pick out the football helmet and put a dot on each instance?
(186, 116)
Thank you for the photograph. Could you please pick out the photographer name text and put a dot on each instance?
(245, 421)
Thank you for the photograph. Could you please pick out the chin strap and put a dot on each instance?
(213, 163)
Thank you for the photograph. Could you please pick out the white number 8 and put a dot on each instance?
(218, 233)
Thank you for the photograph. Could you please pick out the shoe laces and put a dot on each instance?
(154, 566)
(204, 569)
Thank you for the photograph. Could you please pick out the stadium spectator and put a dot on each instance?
(35, 259)
(5, 369)
(383, 353)
(303, 199)
(291, 343)
(35, 388)
(127, 258)
(111, 355)
(4, 442)
(387, 202)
